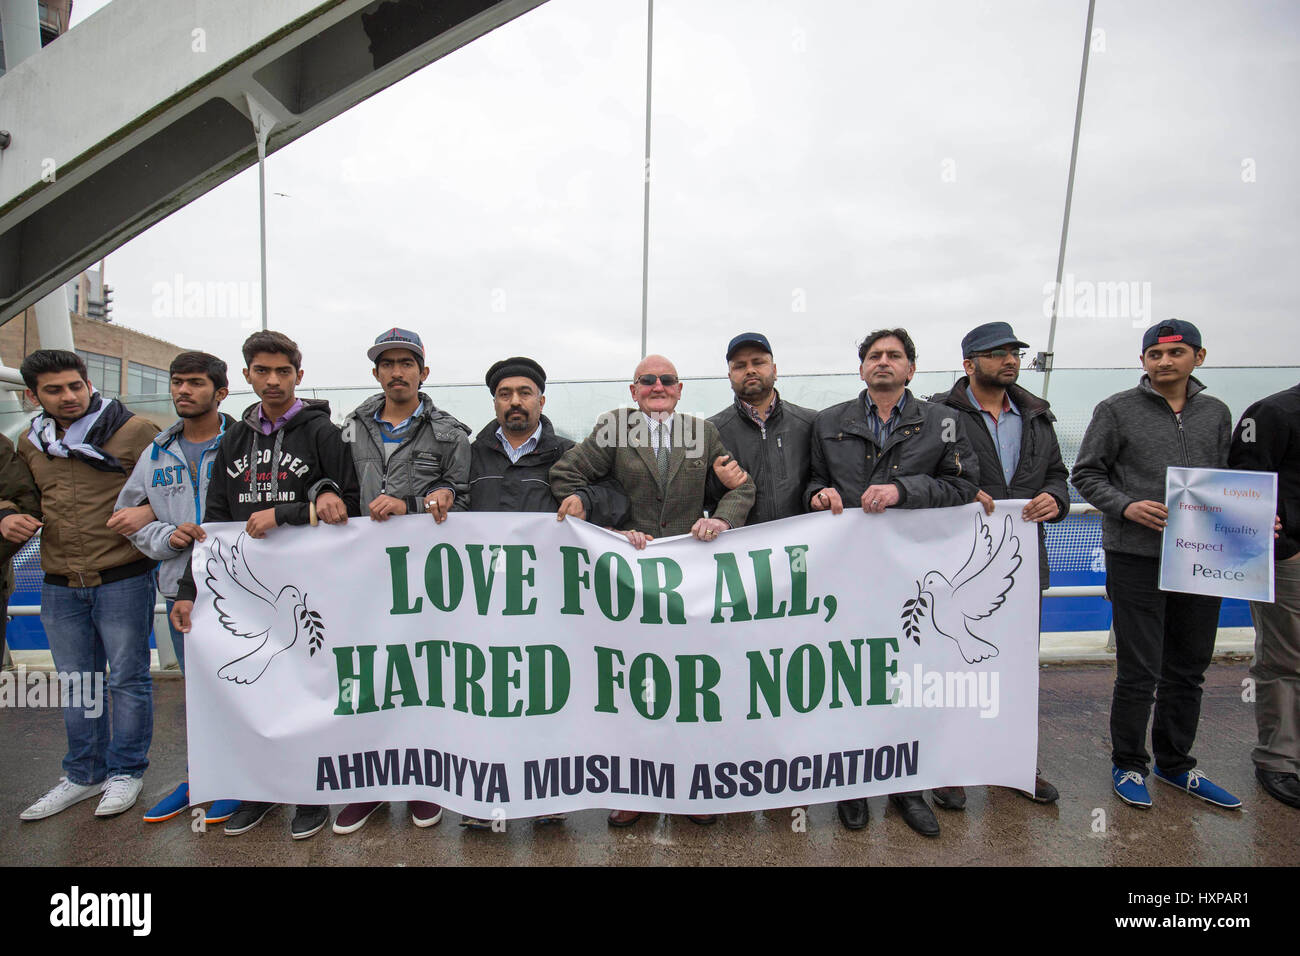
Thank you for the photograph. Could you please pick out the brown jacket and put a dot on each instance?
(76, 502)
(619, 447)
(16, 486)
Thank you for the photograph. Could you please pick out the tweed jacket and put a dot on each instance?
(619, 446)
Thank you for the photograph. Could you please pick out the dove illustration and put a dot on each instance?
(976, 591)
(246, 608)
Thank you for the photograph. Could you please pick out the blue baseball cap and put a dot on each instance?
(748, 338)
(396, 339)
(1172, 330)
(990, 335)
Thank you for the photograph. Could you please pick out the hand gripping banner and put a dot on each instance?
(511, 665)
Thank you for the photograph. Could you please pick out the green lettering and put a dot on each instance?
(401, 590)
(538, 655)
(482, 573)
(652, 685)
(356, 685)
(881, 692)
(803, 701)
(607, 679)
(503, 678)
(798, 555)
(762, 561)
(765, 682)
(698, 682)
(517, 577)
(615, 600)
(574, 579)
(445, 589)
(652, 589)
(399, 666)
(728, 579)
(846, 672)
(434, 652)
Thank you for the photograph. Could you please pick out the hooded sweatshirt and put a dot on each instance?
(162, 477)
(285, 470)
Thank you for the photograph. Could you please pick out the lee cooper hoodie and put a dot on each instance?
(285, 470)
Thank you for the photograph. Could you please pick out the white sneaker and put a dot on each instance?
(120, 794)
(64, 795)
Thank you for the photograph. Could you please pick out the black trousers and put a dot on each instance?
(1163, 643)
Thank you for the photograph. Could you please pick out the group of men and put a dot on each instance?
(120, 504)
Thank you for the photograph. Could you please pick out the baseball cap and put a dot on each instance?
(1172, 330)
(748, 338)
(396, 339)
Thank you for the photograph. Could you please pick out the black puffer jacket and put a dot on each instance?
(777, 456)
(496, 484)
(1040, 467)
(928, 456)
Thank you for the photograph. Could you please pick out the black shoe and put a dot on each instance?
(1044, 792)
(246, 817)
(309, 821)
(853, 813)
(1280, 786)
(916, 812)
(950, 798)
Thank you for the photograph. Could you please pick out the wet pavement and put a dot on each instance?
(1088, 827)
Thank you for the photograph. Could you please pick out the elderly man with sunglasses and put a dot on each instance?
(670, 465)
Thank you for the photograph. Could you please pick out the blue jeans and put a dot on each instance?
(88, 628)
(178, 639)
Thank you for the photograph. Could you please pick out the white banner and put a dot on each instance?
(1218, 539)
(510, 664)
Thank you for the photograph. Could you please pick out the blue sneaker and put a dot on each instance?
(220, 811)
(174, 804)
(1130, 787)
(1199, 785)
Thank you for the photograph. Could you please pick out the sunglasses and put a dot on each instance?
(1001, 353)
(648, 380)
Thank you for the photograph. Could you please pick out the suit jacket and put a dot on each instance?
(619, 446)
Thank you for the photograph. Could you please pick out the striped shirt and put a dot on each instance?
(882, 430)
(513, 453)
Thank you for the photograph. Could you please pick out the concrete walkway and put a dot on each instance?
(1089, 827)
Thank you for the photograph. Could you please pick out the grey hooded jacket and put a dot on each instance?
(1133, 438)
(435, 454)
(162, 476)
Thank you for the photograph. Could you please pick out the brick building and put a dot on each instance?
(121, 361)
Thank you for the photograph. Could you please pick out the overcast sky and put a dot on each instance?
(821, 168)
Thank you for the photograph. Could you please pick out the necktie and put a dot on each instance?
(661, 456)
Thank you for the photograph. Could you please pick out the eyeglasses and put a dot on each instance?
(1000, 353)
(648, 380)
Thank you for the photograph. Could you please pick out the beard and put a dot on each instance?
(518, 422)
(995, 380)
(755, 389)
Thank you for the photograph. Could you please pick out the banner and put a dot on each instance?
(512, 665)
(1218, 539)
